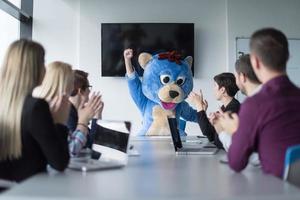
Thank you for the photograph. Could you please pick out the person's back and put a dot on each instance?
(39, 148)
(30, 135)
(269, 122)
(279, 121)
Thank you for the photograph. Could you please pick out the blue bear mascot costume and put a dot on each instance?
(166, 83)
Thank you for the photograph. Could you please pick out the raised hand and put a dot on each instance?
(212, 117)
(198, 101)
(229, 122)
(128, 54)
(87, 111)
(98, 114)
(205, 104)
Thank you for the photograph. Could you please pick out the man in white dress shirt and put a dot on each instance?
(249, 85)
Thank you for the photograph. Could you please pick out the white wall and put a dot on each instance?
(210, 46)
(70, 31)
(56, 26)
(246, 16)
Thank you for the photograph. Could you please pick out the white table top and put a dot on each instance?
(158, 174)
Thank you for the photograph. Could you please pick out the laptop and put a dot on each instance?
(109, 149)
(206, 148)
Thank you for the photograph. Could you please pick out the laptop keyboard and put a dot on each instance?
(197, 150)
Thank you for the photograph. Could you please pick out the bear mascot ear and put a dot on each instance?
(144, 58)
(189, 60)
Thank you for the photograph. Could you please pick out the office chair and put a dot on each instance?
(292, 165)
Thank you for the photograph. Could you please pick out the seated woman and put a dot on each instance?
(224, 90)
(59, 79)
(30, 137)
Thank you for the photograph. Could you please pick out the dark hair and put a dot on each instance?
(243, 65)
(227, 80)
(80, 81)
(271, 46)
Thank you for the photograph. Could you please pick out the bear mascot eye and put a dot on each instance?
(164, 79)
(180, 81)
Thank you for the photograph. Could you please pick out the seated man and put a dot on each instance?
(268, 122)
(249, 85)
(225, 89)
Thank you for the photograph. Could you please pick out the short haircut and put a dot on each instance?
(271, 46)
(227, 80)
(80, 81)
(243, 65)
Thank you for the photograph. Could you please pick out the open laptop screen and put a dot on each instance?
(113, 134)
(110, 142)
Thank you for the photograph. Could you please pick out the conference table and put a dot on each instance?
(158, 173)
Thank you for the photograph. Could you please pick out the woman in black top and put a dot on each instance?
(59, 79)
(30, 135)
(225, 89)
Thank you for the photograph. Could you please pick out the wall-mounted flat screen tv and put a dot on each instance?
(142, 37)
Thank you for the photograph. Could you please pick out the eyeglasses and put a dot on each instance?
(89, 86)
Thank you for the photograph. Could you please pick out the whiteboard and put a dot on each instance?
(293, 66)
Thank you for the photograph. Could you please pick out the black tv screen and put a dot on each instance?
(142, 37)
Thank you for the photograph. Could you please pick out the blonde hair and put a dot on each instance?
(58, 80)
(22, 70)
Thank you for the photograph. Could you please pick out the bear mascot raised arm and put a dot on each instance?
(166, 83)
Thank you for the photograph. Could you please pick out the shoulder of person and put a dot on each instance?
(32, 102)
(252, 104)
(255, 99)
(235, 101)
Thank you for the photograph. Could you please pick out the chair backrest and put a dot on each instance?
(292, 165)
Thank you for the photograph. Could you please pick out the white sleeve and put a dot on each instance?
(225, 138)
(132, 75)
